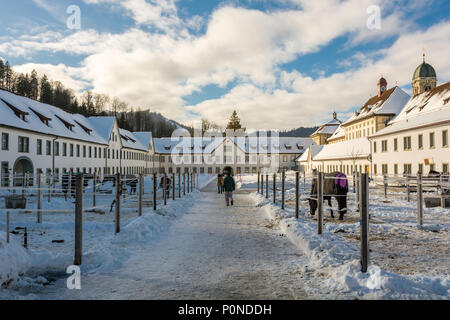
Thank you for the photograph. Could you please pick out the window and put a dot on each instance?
(407, 143)
(84, 151)
(284, 158)
(90, 152)
(445, 168)
(78, 153)
(395, 169)
(5, 141)
(374, 147)
(384, 146)
(39, 146)
(420, 168)
(375, 169)
(384, 169)
(24, 144)
(56, 149)
(407, 168)
(71, 149)
(395, 144)
(420, 141)
(48, 147)
(431, 140)
(64, 149)
(5, 174)
(445, 138)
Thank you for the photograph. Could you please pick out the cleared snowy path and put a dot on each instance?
(212, 252)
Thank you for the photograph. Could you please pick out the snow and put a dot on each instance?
(412, 262)
(393, 104)
(348, 149)
(197, 248)
(129, 140)
(430, 107)
(55, 127)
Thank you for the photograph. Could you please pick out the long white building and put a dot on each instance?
(392, 134)
(40, 138)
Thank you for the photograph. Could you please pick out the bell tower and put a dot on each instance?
(382, 86)
(424, 78)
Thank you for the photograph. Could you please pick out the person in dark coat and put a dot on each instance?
(229, 185)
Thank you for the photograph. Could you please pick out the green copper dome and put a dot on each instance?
(425, 70)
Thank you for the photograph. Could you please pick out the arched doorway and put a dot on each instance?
(22, 166)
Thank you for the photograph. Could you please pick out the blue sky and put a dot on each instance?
(280, 64)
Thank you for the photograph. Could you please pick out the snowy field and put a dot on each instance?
(51, 243)
(414, 260)
(197, 248)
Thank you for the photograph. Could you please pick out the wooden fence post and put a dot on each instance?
(357, 189)
(258, 181)
(364, 214)
(179, 183)
(441, 182)
(319, 202)
(94, 197)
(155, 181)
(267, 186)
(173, 186)
(408, 197)
(184, 183)
(283, 178)
(419, 200)
(262, 184)
(385, 183)
(39, 199)
(141, 192)
(274, 188)
(117, 209)
(297, 191)
(7, 227)
(165, 188)
(79, 220)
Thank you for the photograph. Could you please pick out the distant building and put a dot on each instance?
(417, 139)
(347, 149)
(326, 130)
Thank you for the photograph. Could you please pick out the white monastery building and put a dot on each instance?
(392, 133)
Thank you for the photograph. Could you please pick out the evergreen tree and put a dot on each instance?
(2, 74)
(46, 91)
(34, 85)
(8, 77)
(235, 122)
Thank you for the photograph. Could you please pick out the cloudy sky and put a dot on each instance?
(280, 63)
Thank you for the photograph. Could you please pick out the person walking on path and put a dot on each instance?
(219, 183)
(229, 186)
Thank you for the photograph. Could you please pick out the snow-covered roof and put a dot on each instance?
(328, 128)
(103, 125)
(131, 141)
(390, 102)
(27, 114)
(313, 150)
(348, 149)
(287, 145)
(145, 137)
(186, 145)
(427, 108)
(339, 133)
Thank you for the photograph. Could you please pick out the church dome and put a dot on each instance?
(425, 70)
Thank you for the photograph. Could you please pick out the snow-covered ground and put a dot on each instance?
(414, 261)
(196, 247)
(51, 243)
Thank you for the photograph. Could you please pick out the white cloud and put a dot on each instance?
(156, 69)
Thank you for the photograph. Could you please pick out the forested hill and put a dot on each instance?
(89, 104)
(299, 132)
